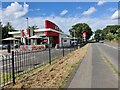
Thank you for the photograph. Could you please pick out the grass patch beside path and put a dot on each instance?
(6, 77)
(54, 75)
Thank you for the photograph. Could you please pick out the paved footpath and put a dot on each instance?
(93, 72)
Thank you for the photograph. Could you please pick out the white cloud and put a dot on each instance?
(35, 9)
(116, 15)
(101, 2)
(90, 11)
(63, 12)
(64, 23)
(78, 7)
(112, 9)
(15, 10)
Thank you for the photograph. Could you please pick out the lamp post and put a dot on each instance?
(62, 45)
(27, 21)
(74, 36)
(74, 40)
(27, 27)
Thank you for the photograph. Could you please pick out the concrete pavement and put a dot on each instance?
(83, 76)
(93, 72)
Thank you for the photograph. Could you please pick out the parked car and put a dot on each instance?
(74, 43)
(4, 46)
(101, 41)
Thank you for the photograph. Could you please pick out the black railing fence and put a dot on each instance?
(19, 62)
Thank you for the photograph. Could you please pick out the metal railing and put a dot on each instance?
(19, 62)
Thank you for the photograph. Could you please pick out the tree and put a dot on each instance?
(110, 36)
(99, 35)
(111, 29)
(33, 27)
(111, 32)
(118, 35)
(79, 29)
(118, 32)
(7, 28)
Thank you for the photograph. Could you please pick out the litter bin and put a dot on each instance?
(9, 48)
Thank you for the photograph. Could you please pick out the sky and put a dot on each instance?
(65, 14)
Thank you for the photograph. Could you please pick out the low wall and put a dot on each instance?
(32, 47)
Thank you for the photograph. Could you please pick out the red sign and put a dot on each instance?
(24, 47)
(50, 33)
(49, 24)
(23, 35)
(28, 33)
(45, 40)
(84, 35)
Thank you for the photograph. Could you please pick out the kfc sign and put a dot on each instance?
(23, 34)
(28, 33)
(49, 24)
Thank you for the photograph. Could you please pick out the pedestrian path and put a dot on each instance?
(93, 72)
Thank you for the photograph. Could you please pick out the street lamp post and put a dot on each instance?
(27, 27)
(74, 36)
(74, 40)
(27, 21)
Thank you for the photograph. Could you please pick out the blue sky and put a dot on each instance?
(64, 14)
(48, 8)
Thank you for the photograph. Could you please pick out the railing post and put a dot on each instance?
(62, 46)
(13, 72)
(49, 54)
(63, 51)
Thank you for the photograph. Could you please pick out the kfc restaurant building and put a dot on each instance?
(50, 34)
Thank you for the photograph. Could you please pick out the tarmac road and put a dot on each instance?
(94, 72)
(111, 52)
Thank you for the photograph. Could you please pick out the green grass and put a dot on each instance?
(6, 77)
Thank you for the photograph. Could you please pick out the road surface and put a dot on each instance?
(111, 52)
(94, 72)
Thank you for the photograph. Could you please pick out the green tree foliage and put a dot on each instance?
(110, 36)
(7, 28)
(98, 35)
(109, 32)
(33, 27)
(79, 29)
(111, 29)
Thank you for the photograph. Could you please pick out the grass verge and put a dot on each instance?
(6, 77)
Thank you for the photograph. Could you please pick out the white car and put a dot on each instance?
(101, 41)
